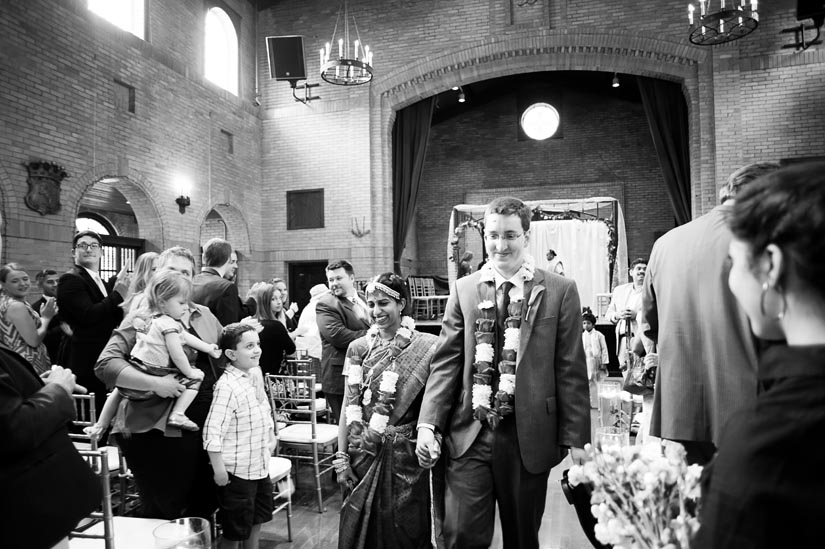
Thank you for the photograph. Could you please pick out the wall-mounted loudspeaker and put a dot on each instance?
(810, 9)
(286, 57)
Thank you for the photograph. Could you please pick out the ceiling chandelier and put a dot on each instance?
(349, 67)
(729, 22)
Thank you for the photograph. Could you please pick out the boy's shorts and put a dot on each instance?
(243, 504)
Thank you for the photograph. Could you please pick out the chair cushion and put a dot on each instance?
(113, 456)
(301, 433)
(320, 405)
(278, 467)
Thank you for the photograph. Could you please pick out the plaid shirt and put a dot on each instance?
(239, 425)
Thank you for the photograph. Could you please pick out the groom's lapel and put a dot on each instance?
(533, 290)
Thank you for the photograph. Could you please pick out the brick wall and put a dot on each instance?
(749, 100)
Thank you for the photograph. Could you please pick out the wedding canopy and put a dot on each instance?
(578, 230)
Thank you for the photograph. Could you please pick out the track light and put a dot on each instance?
(461, 98)
(615, 80)
(454, 88)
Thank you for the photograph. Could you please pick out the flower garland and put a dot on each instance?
(487, 406)
(368, 437)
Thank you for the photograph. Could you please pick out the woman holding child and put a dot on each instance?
(389, 500)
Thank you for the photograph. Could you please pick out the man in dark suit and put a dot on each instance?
(57, 336)
(342, 317)
(707, 353)
(91, 308)
(511, 412)
(211, 289)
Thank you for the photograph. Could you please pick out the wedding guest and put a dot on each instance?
(289, 311)
(171, 469)
(91, 308)
(47, 486)
(22, 329)
(306, 335)
(211, 289)
(58, 332)
(144, 269)
(595, 352)
(385, 374)
(342, 318)
(274, 339)
(624, 307)
(707, 354)
(556, 265)
(764, 487)
(505, 426)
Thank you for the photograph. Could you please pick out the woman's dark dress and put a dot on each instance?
(275, 344)
(766, 487)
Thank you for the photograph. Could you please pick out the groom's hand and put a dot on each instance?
(427, 448)
(578, 455)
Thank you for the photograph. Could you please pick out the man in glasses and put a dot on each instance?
(91, 308)
(508, 392)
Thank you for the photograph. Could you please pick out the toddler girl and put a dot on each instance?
(161, 337)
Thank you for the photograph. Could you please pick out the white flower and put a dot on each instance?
(408, 323)
(388, 381)
(481, 395)
(354, 413)
(403, 332)
(507, 383)
(367, 397)
(378, 422)
(486, 304)
(484, 352)
(354, 374)
(528, 267)
(373, 331)
(511, 338)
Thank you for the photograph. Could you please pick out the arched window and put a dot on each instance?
(221, 51)
(129, 15)
(93, 222)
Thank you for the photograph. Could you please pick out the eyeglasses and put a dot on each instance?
(84, 246)
(509, 237)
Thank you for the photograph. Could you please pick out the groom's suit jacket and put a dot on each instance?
(552, 407)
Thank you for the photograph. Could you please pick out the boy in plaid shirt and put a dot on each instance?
(239, 439)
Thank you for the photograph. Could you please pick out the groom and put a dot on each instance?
(504, 434)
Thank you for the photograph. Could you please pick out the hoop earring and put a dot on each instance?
(763, 298)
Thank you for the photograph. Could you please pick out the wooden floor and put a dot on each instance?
(311, 530)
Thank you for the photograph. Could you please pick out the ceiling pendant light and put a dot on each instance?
(350, 67)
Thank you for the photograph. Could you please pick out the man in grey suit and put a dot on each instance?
(342, 317)
(707, 353)
(511, 408)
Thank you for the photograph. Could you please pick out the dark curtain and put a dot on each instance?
(667, 116)
(410, 135)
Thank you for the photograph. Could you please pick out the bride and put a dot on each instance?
(388, 497)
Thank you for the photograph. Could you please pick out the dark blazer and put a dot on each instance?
(92, 317)
(552, 408)
(339, 325)
(218, 294)
(47, 487)
(55, 340)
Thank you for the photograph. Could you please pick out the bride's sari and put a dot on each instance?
(392, 503)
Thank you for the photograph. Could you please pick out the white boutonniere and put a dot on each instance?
(486, 304)
(534, 295)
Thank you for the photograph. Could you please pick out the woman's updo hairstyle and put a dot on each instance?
(6, 269)
(396, 283)
(787, 208)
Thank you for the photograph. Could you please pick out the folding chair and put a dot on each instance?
(123, 532)
(293, 401)
(282, 488)
(438, 303)
(304, 367)
(422, 305)
(86, 416)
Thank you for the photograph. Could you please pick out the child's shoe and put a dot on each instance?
(177, 419)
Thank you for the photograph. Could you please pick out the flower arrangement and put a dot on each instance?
(487, 406)
(644, 497)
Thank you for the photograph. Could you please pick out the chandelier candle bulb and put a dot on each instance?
(341, 47)
(691, 9)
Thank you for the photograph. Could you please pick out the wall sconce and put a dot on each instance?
(182, 201)
(615, 80)
(183, 186)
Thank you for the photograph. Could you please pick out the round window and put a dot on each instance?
(540, 121)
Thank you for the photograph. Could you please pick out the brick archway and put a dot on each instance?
(544, 51)
(135, 188)
(237, 229)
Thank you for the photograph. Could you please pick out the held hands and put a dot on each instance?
(63, 377)
(215, 352)
(427, 448)
(346, 476)
(48, 309)
(651, 361)
(627, 314)
(578, 455)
